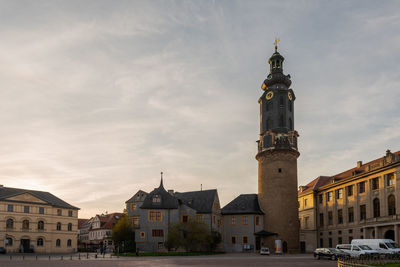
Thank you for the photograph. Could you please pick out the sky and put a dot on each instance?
(98, 97)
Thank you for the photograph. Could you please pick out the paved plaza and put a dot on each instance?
(236, 259)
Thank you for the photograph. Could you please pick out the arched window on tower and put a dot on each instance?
(376, 205)
(281, 101)
(40, 225)
(10, 223)
(282, 121)
(269, 124)
(290, 106)
(290, 124)
(392, 205)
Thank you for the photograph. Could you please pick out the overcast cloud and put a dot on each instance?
(98, 97)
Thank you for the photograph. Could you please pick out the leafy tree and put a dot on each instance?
(123, 235)
(192, 236)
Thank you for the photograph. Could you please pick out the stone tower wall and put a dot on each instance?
(277, 194)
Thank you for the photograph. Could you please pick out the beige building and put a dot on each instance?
(38, 221)
(357, 203)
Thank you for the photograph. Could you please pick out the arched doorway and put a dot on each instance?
(389, 234)
(284, 247)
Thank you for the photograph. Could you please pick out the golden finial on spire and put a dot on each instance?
(276, 44)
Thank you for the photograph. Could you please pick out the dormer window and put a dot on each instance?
(156, 199)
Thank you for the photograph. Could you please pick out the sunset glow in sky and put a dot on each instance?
(98, 97)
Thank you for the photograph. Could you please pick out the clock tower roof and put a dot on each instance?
(276, 71)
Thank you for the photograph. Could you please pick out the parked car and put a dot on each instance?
(264, 251)
(2, 250)
(383, 246)
(330, 253)
(358, 251)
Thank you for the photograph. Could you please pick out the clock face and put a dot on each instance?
(270, 95)
(290, 96)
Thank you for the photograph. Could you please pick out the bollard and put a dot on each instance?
(79, 256)
(104, 255)
(95, 256)
(87, 255)
(10, 257)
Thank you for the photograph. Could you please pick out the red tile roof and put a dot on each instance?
(324, 180)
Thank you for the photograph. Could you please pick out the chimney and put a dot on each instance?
(359, 164)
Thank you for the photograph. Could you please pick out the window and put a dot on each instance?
(375, 183)
(340, 240)
(41, 210)
(245, 220)
(10, 208)
(135, 221)
(351, 238)
(376, 206)
(350, 212)
(40, 225)
(70, 227)
(9, 224)
(306, 222)
(155, 216)
(59, 212)
(330, 218)
(69, 242)
(305, 203)
(361, 187)
(25, 225)
(391, 205)
(363, 212)
(58, 242)
(157, 232)
(39, 242)
(321, 219)
(133, 206)
(9, 241)
(233, 239)
(320, 199)
(330, 242)
(233, 220)
(321, 242)
(257, 220)
(339, 193)
(185, 218)
(340, 216)
(390, 179)
(70, 213)
(199, 218)
(350, 191)
(142, 234)
(58, 226)
(26, 209)
(245, 240)
(156, 199)
(329, 196)
(160, 245)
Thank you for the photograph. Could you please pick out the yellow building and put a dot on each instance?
(36, 220)
(357, 203)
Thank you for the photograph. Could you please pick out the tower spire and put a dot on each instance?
(161, 183)
(276, 44)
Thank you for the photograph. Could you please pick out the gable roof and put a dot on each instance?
(201, 201)
(167, 200)
(6, 192)
(243, 204)
(132, 199)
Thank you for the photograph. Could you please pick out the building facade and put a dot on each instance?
(243, 224)
(36, 221)
(358, 203)
(277, 159)
(153, 213)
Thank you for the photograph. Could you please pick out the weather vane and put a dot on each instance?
(276, 43)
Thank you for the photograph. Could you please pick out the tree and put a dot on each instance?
(123, 235)
(192, 236)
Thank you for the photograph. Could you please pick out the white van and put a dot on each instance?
(385, 246)
(358, 251)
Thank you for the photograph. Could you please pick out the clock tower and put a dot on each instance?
(277, 159)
